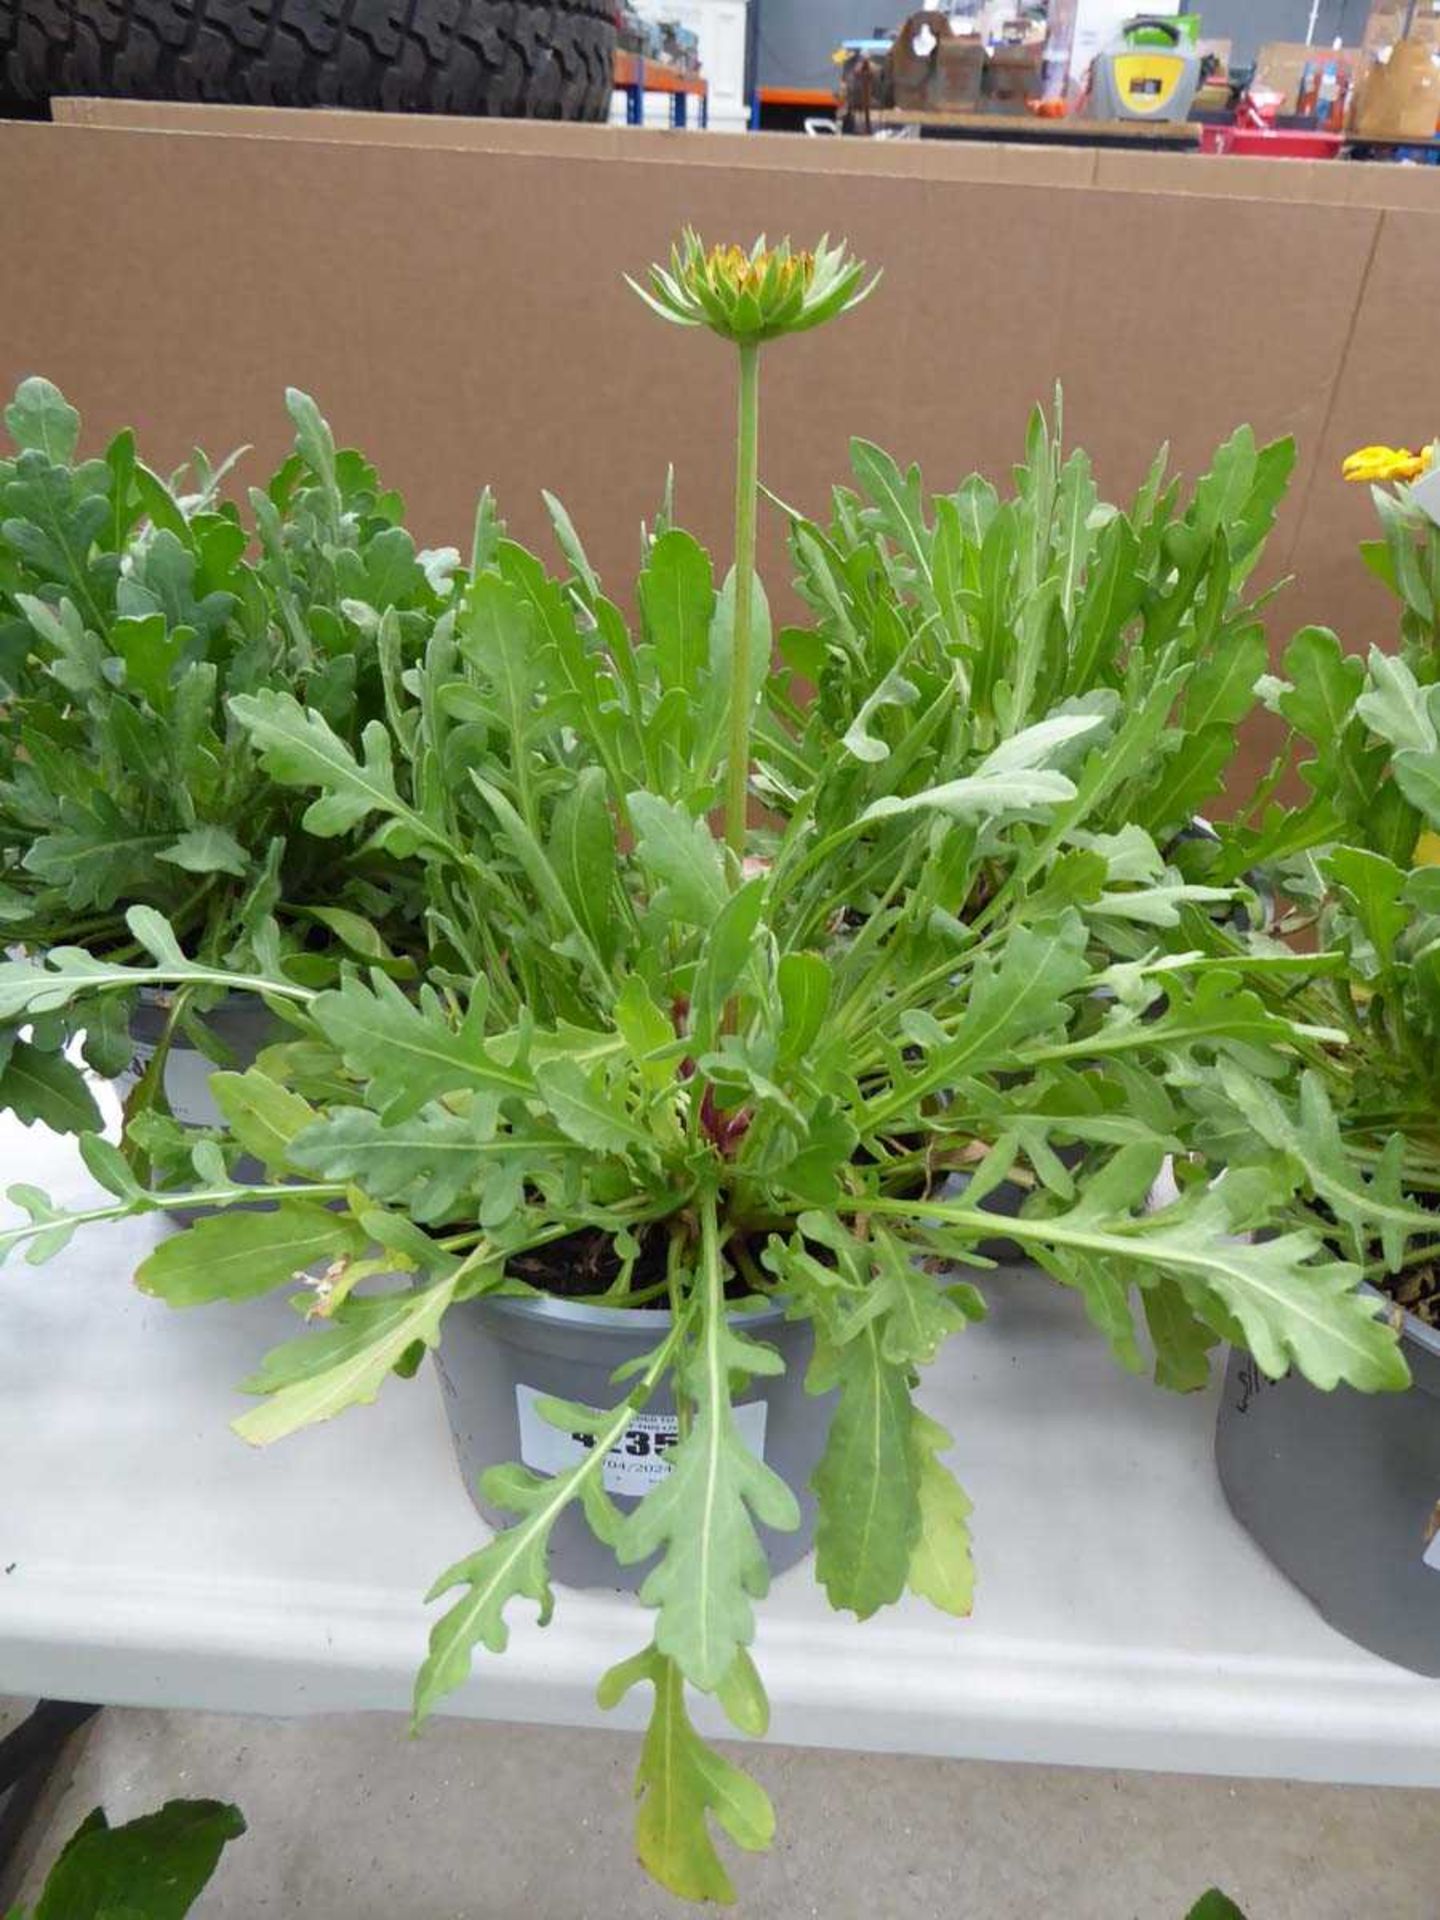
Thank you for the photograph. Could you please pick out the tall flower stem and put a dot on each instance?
(747, 488)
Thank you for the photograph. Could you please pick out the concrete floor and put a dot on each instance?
(350, 1820)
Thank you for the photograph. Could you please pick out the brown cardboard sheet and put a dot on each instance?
(1007, 162)
(460, 314)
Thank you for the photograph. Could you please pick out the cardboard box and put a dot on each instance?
(1000, 161)
(452, 295)
(1392, 21)
(1399, 97)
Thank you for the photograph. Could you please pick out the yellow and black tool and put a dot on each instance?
(1151, 73)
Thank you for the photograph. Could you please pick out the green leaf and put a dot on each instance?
(1182, 1343)
(299, 748)
(680, 1783)
(593, 1116)
(40, 417)
(915, 1315)
(742, 1697)
(238, 1255)
(263, 1116)
(866, 1484)
(426, 1162)
(823, 1151)
(153, 1868)
(1311, 1140)
(512, 1566)
(1418, 777)
(677, 602)
(406, 1050)
(1217, 1011)
(496, 634)
(1371, 887)
(1021, 998)
(647, 1031)
(1052, 739)
(702, 1515)
(1395, 706)
(979, 796)
(151, 652)
(319, 1375)
(109, 1167)
(803, 982)
(207, 849)
(40, 1211)
(354, 931)
(45, 1088)
(1214, 1905)
(683, 854)
(1222, 688)
(729, 948)
(582, 856)
(314, 441)
(941, 1570)
(1290, 1307)
(568, 541)
(899, 500)
(1320, 704)
(893, 691)
(715, 703)
(97, 856)
(1159, 905)
(546, 882)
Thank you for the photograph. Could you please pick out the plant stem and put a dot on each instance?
(162, 1203)
(747, 458)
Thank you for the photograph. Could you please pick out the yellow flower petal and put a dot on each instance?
(1375, 465)
(1427, 850)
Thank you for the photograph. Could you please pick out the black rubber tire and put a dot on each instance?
(518, 58)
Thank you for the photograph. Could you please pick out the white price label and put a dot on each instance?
(637, 1460)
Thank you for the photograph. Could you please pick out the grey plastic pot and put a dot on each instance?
(1340, 1490)
(496, 1355)
(243, 1024)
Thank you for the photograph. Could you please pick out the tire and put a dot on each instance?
(518, 58)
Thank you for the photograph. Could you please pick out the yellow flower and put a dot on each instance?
(754, 295)
(1427, 850)
(1374, 464)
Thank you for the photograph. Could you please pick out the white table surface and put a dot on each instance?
(149, 1557)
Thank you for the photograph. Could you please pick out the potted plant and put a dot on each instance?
(1343, 1492)
(706, 1088)
(130, 612)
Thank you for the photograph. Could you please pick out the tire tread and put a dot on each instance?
(508, 57)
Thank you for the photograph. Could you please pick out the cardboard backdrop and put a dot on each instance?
(458, 311)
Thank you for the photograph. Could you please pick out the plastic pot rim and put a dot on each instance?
(577, 1313)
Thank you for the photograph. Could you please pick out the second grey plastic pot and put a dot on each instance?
(1340, 1489)
(497, 1355)
(242, 1023)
